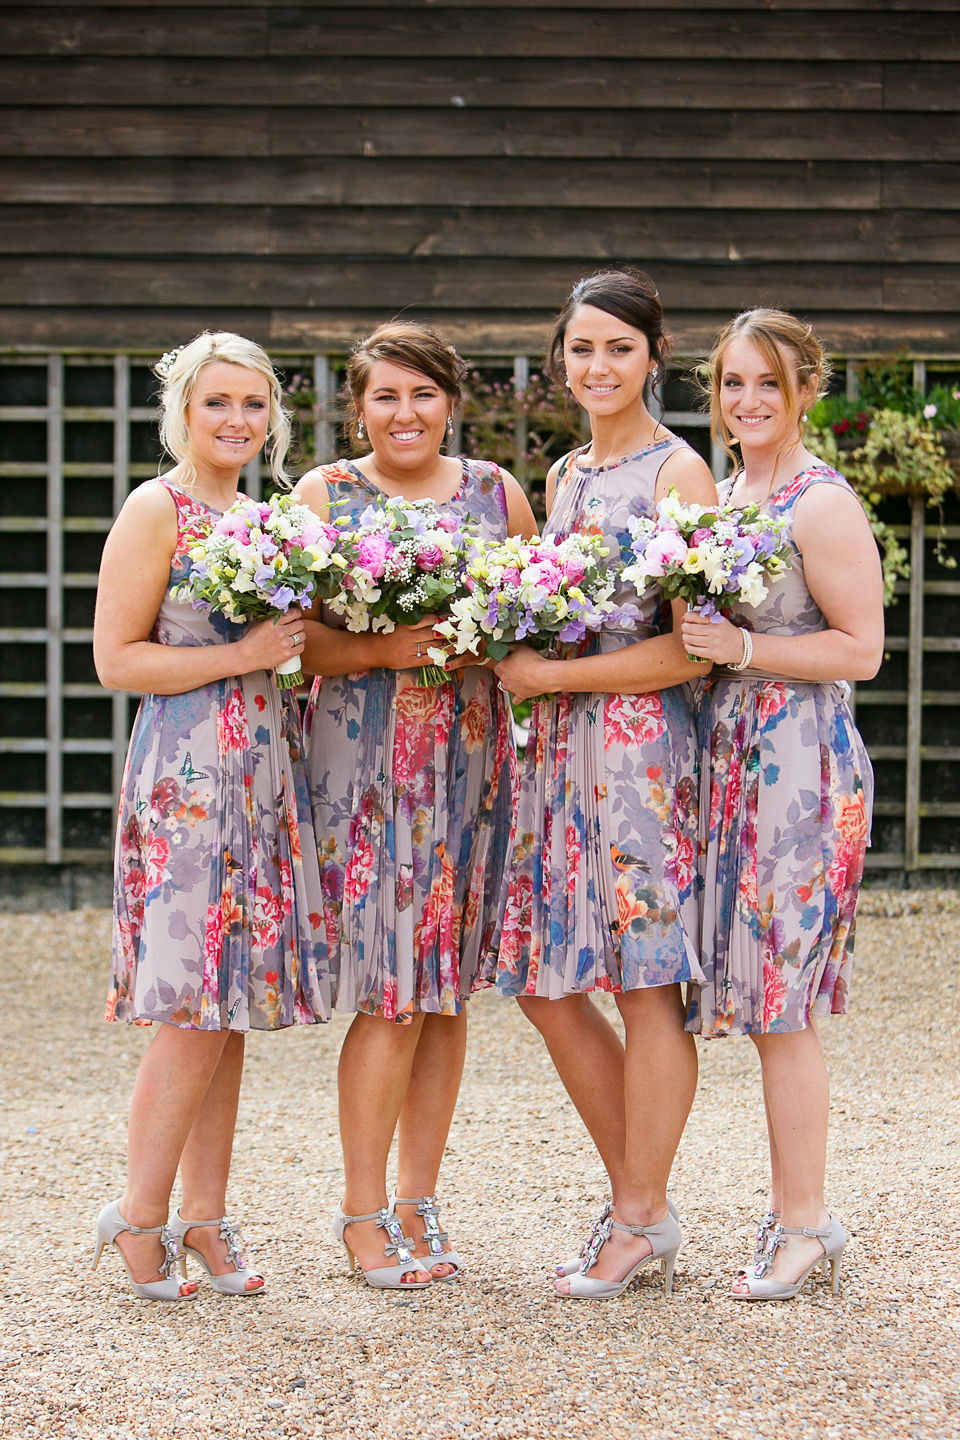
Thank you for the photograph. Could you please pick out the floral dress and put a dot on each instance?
(215, 895)
(785, 823)
(411, 789)
(602, 888)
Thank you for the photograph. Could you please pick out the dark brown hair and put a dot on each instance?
(630, 296)
(413, 346)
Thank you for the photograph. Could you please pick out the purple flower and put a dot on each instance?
(283, 597)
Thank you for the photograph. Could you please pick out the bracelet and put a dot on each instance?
(747, 651)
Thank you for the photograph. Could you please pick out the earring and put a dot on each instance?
(360, 429)
(568, 385)
(450, 427)
(654, 372)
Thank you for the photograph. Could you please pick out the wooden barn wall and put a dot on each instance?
(297, 172)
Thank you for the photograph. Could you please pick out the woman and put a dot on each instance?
(602, 892)
(411, 791)
(787, 782)
(213, 890)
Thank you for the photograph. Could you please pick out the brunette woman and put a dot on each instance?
(787, 783)
(411, 793)
(602, 892)
(213, 896)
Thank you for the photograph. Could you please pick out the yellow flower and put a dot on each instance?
(692, 564)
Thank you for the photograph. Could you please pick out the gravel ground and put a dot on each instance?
(497, 1354)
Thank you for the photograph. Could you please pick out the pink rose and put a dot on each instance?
(663, 550)
(449, 523)
(545, 576)
(372, 554)
(574, 571)
(511, 576)
(429, 557)
(702, 534)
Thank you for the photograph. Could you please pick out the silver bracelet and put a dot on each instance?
(747, 651)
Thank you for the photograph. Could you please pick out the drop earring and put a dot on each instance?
(360, 428)
(449, 427)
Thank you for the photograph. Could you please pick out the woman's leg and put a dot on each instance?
(426, 1114)
(174, 1076)
(373, 1077)
(205, 1162)
(797, 1095)
(660, 1081)
(589, 1059)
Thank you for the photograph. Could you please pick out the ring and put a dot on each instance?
(419, 653)
(296, 640)
(501, 686)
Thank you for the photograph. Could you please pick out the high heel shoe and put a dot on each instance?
(665, 1238)
(233, 1283)
(384, 1277)
(762, 1285)
(434, 1238)
(570, 1267)
(110, 1224)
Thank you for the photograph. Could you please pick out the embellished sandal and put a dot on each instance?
(111, 1223)
(433, 1237)
(570, 1267)
(385, 1277)
(762, 1285)
(665, 1238)
(229, 1284)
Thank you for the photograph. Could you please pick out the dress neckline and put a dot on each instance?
(196, 499)
(624, 460)
(378, 490)
(810, 470)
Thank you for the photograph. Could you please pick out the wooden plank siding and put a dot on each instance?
(297, 172)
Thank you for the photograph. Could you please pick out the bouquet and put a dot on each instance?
(712, 556)
(534, 590)
(404, 560)
(260, 558)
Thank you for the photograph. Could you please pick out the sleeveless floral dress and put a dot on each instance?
(785, 823)
(602, 888)
(216, 887)
(411, 790)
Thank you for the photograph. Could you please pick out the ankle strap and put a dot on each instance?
(809, 1231)
(202, 1224)
(414, 1200)
(144, 1229)
(356, 1219)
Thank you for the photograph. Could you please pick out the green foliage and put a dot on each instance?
(941, 409)
(887, 384)
(840, 416)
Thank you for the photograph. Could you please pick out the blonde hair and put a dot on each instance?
(780, 338)
(179, 371)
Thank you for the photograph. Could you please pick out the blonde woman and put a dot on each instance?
(787, 784)
(213, 889)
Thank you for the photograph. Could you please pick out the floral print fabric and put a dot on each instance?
(215, 892)
(602, 890)
(411, 790)
(785, 823)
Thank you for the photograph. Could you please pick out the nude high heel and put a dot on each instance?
(570, 1267)
(384, 1277)
(665, 1238)
(111, 1223)
(429, 1211)
(234, 1283)
(762, 1285)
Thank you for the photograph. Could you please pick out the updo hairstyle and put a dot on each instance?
(413, 346)
(789, 347)
(628, 295)
(178, 372)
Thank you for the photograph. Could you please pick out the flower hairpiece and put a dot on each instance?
(166, 362)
